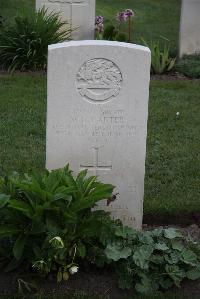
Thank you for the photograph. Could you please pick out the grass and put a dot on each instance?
(189, 66)
(152, 20)
(173, 159)
(22, 123)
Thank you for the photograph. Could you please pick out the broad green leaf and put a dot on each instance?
(142, 255)
(81, 249)
(177, 274)
(126, 232)
(4, 199)
(177, 245)
(146, 286)
(189, 257)
(21, 206)
(161, 246)
(172, 233)
(18, 248)
(115, 252)
(173, 257)
(194, 273)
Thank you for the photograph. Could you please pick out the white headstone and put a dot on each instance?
(97, 117)
(80, 14)
(190, 27)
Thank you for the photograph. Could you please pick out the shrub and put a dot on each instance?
(23, 45)
(47, 223)
(46, 220)
(160, 60)
(153, 260)
(189, 66)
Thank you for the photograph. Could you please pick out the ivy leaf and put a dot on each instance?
(115, 252)
(172, 233)
(189, 257)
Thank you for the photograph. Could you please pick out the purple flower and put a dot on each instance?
(121, 16)
(99, 20)
(124, 15)
(99, 27)
(129, 13)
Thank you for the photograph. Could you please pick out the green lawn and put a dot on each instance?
(153, 18)
(173, 157)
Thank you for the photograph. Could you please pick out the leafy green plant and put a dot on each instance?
(47, 222)
(153, 260)
(161, 62)
(23, 45)
(189, 66)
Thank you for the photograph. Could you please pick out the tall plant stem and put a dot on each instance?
(129, 29)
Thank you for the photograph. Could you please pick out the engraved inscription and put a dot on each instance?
(98, 80)
(95, 167)
(67, 1)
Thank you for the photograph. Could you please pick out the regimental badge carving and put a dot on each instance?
(98, 80)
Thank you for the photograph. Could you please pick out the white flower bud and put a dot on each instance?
(73, 270)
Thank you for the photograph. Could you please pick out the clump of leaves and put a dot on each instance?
(46, 220)
(23, 45)
(153, 260)
(189, 66)
(47, 223)
(161, 62)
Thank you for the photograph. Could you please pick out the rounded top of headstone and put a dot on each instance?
(99, 43)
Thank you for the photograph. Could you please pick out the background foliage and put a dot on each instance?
(24, 44)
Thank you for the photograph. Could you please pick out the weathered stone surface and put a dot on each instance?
(80, 14)
(190, 27)
(97, 117)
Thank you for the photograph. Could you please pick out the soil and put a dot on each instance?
(93, 281)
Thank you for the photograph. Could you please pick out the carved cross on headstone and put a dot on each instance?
(96, 167)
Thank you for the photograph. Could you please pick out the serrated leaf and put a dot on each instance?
(115, 253)
(161, 246)
(172, 258)
(141, 256)
(172, 233)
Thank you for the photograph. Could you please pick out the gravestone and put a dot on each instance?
(80, 15)
(97, 117)
(190, 27)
